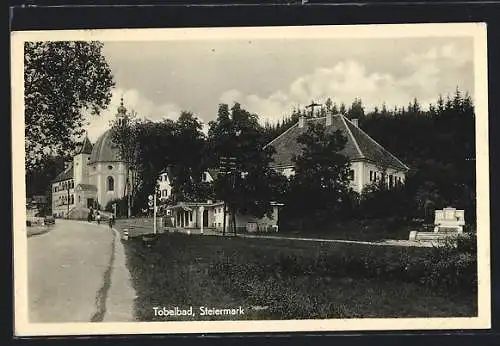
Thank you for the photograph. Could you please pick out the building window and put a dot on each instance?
(111, 184)
(371, 175)
(374, 176)
(79, 199)
(72, 199)
(351, 174)
(110, 167)
(190, 216)
(72, 184)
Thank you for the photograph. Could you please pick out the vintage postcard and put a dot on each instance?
(260, 179)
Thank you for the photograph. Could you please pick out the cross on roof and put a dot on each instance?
(312, 105)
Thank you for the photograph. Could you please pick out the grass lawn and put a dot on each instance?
(278, 279)
(361, 230)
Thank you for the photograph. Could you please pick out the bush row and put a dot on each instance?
(451, 267)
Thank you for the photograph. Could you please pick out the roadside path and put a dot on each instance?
(77, 273)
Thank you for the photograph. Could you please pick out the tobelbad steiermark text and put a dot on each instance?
(201, 311)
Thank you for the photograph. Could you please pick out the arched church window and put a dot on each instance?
(111, 184)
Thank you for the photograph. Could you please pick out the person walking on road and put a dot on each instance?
(98, 217)
(111, 220)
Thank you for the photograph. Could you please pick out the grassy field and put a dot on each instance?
(361, 230)
(283, 279)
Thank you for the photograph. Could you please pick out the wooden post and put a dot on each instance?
(201, 219)
(224, 223)
(154, 213)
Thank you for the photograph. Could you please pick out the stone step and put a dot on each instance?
(432, 235)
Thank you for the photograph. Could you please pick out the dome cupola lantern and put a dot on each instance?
(122, 113)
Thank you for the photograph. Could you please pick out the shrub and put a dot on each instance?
(121, 206)
(444, 268)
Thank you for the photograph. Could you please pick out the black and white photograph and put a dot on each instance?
(258, 179)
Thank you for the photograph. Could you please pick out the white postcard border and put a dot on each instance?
(475, 30)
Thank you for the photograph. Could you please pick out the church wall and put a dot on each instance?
(114, 170)
(98, 176)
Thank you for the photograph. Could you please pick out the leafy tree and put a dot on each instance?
(329, 104)
(61, 79)
(189, 163)
(321, 181)
(252, 186)
(357, 110)
(156, 150)
(342, 109)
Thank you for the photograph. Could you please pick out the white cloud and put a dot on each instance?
(342, 82)
(349, 79)
(132, 100)
(446, 55)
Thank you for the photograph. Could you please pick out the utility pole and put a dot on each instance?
(228, 167)
(67, 186)
(154, 213)
(223, 170)
(152, 203)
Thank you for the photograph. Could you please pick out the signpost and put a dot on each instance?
(228, 167)
(201, 218)
(152, 203)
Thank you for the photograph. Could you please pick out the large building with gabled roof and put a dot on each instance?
(369, 161)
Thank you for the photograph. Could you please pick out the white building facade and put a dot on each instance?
(369, 161)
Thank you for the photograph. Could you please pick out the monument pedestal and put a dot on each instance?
(448, 223)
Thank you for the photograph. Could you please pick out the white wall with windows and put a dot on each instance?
(362, 173)
(63, 194)
(109, 178)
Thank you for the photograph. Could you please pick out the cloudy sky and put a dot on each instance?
(270, 77)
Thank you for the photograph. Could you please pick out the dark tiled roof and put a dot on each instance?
(86, 146)
(359, 145)
(213, 172)
(66, 174)
(87, 187)
(104, 150)
(373, 151)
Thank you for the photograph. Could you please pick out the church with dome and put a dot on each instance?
(95, 176)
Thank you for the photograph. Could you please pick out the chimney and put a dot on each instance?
(329, 119)
(355, 122)
(301, 122)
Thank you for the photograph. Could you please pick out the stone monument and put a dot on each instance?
(448, 222)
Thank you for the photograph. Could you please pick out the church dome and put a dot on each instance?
(104, 150)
